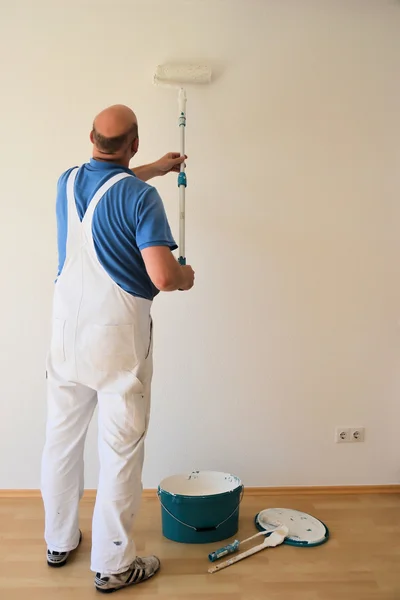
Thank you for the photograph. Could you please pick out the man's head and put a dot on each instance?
(115, 135)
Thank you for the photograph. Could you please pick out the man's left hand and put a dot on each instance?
(170, 163)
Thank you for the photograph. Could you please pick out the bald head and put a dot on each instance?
(115, 133)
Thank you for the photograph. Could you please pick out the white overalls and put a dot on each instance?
(100, 353)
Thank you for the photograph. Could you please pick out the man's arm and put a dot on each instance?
(165, 272)
(170, 163)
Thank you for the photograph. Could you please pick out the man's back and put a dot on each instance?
(129, 218)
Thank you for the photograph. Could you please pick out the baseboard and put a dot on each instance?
(327, 490)
(249, 491)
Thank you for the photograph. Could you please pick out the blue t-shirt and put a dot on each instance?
(129, 217)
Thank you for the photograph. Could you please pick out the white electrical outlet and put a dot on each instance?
(357, 434)
(342, 435)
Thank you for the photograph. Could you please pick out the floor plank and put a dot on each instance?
(360, 561)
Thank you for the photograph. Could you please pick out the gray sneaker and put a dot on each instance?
(140, 570)
(59, 559)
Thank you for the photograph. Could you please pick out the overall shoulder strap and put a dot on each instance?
(74, 224)
(88, 218)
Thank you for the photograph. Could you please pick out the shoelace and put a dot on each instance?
(139, 562)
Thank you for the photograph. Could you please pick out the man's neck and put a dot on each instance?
(115, 160)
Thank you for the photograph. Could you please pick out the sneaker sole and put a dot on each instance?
(64, 562)
(123, 587)
(57, 565)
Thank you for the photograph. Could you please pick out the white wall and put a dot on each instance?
(293, 226)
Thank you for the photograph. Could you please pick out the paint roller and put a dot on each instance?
(178, 75)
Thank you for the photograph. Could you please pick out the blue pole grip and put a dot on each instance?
(229, 549)
(182, 179)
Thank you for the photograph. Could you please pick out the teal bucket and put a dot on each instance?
(201, 508)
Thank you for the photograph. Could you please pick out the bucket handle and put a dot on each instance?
(200, 529)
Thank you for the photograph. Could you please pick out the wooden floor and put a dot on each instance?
(360, 562)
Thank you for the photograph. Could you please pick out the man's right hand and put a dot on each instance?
(187, 278)
(165, 271)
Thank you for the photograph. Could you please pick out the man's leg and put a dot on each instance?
(70, 409)
(123, 423)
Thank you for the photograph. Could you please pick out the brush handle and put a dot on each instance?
(257, 535)
(182, 181)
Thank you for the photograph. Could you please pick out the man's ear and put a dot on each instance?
(135, 145)
(91, 137)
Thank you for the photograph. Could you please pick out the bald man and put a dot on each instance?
(115, 254)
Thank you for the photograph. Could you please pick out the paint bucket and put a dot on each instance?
(200, 508)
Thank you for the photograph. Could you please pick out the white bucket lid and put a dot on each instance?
(200, 483)
(304, 529)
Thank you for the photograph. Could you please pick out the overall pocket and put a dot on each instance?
(112, 347)
(150, 344)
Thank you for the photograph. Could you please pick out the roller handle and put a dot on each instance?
(234, 546)
(229, 549)
(182, 181)
(235, 559)
(275, 539)
(182, 101)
